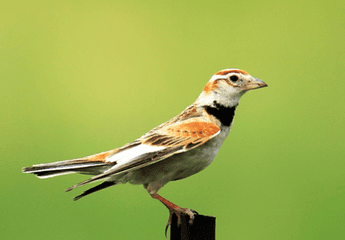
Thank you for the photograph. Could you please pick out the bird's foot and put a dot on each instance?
(174, 209)
(178, 211)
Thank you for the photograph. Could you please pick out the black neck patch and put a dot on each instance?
(224, 114)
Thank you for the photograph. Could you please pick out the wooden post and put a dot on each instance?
(203, 228)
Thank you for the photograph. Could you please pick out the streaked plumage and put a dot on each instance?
(174, 150)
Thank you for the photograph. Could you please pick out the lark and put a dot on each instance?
(174, 150)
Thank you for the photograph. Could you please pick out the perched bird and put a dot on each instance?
(174, 150)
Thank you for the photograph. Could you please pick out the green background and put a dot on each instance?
(81, 77)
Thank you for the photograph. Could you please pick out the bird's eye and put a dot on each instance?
(234, 78)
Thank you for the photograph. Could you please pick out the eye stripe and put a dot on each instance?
(213, 84)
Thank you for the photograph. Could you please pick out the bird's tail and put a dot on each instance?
(92, 165)
(84, 166)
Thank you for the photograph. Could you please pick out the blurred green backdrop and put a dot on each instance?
(81, 77)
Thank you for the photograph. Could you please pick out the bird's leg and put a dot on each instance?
(174, 209)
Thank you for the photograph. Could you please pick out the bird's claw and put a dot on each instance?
(183, 211)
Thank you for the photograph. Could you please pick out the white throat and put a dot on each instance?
(208, 99)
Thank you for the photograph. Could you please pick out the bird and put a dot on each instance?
(174, 150)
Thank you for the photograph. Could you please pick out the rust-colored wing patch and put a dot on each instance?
(193, 129)
(187, 135)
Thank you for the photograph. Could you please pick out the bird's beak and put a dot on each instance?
(255, 83)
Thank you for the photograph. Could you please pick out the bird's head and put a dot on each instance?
(227, 86)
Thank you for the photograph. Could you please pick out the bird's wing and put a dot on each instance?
(162, 143)
(157, 145)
